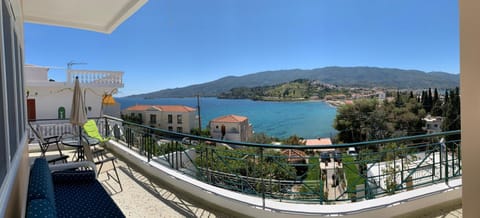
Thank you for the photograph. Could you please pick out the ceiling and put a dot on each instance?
(95, 15)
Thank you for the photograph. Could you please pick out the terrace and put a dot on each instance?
(395, 176)
(13, 137)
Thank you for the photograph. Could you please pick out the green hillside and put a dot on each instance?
(367, 77)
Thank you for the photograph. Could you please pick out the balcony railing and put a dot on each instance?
(96, 77)
(313, 175)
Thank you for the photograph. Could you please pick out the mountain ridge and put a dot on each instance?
(367, 77)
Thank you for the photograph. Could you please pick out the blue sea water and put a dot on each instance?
(308, 119)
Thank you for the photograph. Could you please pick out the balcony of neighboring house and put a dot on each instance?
(409, 176)
(49, 97)
(39, 76)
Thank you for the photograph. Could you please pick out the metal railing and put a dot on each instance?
(377, 168)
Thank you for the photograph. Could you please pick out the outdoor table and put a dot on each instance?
(73, 141)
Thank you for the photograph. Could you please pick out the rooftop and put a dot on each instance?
(230, 119)
(166, 108)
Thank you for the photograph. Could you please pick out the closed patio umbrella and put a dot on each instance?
(78, 114)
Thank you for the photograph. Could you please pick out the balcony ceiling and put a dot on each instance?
(101, 16)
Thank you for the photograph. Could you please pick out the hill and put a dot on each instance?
(367, 77)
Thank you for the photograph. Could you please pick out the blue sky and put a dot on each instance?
(169, 44)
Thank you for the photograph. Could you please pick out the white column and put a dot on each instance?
(470, 104)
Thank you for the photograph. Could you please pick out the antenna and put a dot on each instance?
(71, 63)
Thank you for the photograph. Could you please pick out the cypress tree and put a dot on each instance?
(435, 96)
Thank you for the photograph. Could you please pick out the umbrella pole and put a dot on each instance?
(81, 142)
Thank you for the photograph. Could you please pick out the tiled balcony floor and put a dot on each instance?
(141, 197)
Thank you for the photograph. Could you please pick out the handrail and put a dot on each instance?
(378, 169)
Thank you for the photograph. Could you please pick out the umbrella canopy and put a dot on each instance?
(78, 115)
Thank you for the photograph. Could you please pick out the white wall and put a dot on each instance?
(470, 104)
(49, 99)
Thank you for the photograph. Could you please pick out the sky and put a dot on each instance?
(169, 44)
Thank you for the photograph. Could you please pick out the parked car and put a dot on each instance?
(351, 151)
(189, 141)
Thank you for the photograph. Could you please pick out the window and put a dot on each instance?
(179, 119)
(12, 102)
(170, 128)
(170, 118)
(179, 129)
(153, 119)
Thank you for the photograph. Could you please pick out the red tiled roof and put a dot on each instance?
(294, 155)
(319, 141)
(230, 119)
(174, 108)
(166, 108)
(139, 108)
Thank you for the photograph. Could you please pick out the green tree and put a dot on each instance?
(203, 133)
(452, 112)
(294, 140)
(261, 138)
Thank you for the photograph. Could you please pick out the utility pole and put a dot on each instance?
(198, 110)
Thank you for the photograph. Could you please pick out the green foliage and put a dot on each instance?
(313, 182)
(246, 162)
(261, 138)
(352, 173)
(300, 89)
(294, 140)
(203, 133)
(452, 111)
(134, 118)
(368, 119)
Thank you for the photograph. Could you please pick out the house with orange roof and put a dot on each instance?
(178, 118)
(319, 141)
(231, 127)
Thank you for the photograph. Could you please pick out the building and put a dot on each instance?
(319, 141)
(176, 118)
(50, 99)
(433, 124)
(231, 128)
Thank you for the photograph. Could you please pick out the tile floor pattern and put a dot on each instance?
(141, 197)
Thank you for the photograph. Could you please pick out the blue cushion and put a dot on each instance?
(40, 184)
(87, 199)
(73, 177)
(40, 208)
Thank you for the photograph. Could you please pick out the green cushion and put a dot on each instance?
(90, 127)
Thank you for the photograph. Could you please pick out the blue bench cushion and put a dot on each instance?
(40, 208)
(40, 184)
(87, 199)
(73, 177)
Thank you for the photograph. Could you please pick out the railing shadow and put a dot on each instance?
(172, 200)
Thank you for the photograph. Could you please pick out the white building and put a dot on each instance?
(433, 124)
(177, 118)
(49, 99)
(231, 128)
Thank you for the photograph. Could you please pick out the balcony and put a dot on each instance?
(257, 180)
(37, 76)
(92, 77)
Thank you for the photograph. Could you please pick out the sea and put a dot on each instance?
(306, 119)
